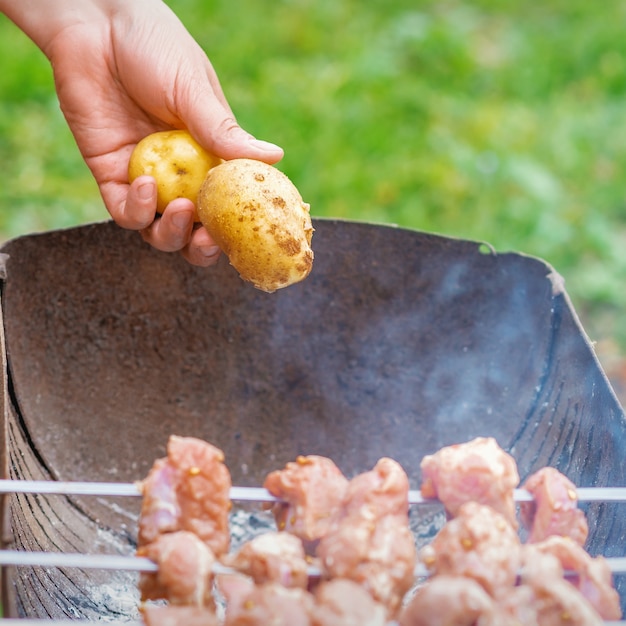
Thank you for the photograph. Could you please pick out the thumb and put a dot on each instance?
(214, 126)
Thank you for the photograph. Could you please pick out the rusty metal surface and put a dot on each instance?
(398, 343)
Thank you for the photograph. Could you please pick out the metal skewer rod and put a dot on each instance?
(253, 494)
(78, 488)
(81, 561)
(144, 564)
(85, 622)
(117, 562)
(70, 488)
(23, 621)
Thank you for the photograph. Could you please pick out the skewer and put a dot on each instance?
(252, 494)
(46, 622)
(67, 622)
(61, 622)
(78, 488)
(73, 622)
(143, 564)
(119, 562)
(617, 565)
(108, 562)
(81, 561)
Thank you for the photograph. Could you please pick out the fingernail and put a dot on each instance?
(145, 191)
(266, 146)
(181, 220)
(209, 250)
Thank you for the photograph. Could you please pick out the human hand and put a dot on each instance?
(122, 71)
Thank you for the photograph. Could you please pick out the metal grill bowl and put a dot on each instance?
(398, 343)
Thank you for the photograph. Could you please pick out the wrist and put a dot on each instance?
(43, 20)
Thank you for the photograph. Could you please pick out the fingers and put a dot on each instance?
(212, 123)
(175, 231)
(224, 137)
(201, 249)
(172, 231)
(235, 142)
(138, 208)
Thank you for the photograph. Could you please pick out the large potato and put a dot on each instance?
(257, 217)
(177, 162)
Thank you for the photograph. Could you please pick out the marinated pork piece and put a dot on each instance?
(312, 488)
(187, 490)
(448, 601)
(271, 604)
(476, 471)
(154, 615)
(381, 492)
(559, 604)
(478, 543)
(514, 606)
(550, 603)
(554, 510)
(556, 601)
(377, 554)
(272, 557)
(185, 574)
(591, 576)
(553, 603)
(341, 602)
(369, 540)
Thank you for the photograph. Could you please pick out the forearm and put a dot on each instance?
(43, 20)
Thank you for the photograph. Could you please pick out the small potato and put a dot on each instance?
(177, 162)
(257, 217)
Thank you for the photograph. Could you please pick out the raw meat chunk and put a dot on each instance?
(272, 557)
(478, 543)
(591, 576)
(556, 601)
(447, 601)
(341, 602)
(187, 490)
(515, 606)
(185, 574)
(381, 492)
(272, 604)
(559, 604)
(550, 602)
(369, 540)
(554, 510)
(476, 471)
(312, 488)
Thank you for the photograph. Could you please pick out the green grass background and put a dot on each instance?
(497, 120)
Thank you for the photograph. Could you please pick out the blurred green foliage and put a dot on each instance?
(495, 120)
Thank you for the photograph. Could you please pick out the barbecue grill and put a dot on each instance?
(398, 343)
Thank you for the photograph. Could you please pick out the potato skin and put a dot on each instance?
(258, 218)
(176, 160)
